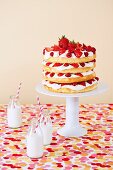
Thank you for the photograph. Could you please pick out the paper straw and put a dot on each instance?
(18, 91)
(40, 108)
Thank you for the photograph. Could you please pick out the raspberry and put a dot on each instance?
(51, 54)
(66, 64)
(75, 65)
(60, 74)
(68, 74)
(78, 53)
(86, 54)
(47, 73)
(69, 55)
(82, 64)
(52, 74)
(57, 64)
(97, 78)
(47, 64)
(90, 81)
(83, 83)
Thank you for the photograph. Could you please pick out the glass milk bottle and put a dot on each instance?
(14, 116)
(46, 127)
(35, 141)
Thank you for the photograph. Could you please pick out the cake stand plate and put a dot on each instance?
(72, 128)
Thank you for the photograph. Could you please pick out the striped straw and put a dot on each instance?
(18, 91)
(40, 108)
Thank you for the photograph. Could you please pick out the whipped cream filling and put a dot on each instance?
(62, 67)
(72, 87)
(56, 54)
(72, 75)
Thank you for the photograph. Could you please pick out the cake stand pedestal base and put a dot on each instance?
(72, 127)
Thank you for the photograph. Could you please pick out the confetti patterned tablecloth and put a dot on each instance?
(93, 151)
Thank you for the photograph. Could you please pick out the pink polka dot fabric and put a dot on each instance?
(92, 151)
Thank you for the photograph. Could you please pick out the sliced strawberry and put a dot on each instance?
(47, 64)
(60, 74)
(51, 54)
(75, 65)
(48, 49)
(90, 81)
(56, 48)
(86, 54)
(97, 78)
(78, 53)
(47, 73)
(69, 55)
(79, 74)
(57, 64)
(71, 46)
(75, 83)
(52, 74)
(61, 51)
(43, 51)
(68, 74)
(83, 83)
(66, 64)
(82, 64)
(79, 46)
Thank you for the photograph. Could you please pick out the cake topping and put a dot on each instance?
(63, 42)
(70, 47)
(78, 53)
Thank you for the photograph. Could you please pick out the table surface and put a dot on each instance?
(92, 151)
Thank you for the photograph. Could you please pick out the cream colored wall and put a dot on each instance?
(27, 26)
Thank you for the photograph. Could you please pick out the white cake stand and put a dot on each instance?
(72, 128)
